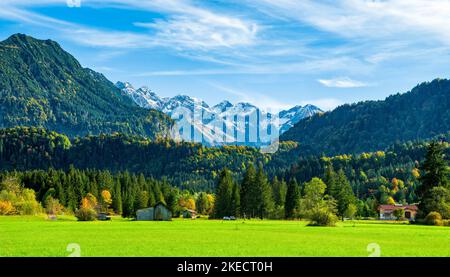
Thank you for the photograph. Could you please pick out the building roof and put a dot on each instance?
(161, 203)
(394, 207)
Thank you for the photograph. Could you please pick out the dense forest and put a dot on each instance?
(187, 165)
(42, 85)
(64, 191)
(382, 177)
(422, 113)
(330, 195)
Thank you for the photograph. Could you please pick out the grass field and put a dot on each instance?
(37, 236)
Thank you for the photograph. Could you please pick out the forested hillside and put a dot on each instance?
(184, 164)
(422, 113)
(196, 167)
(41, 85)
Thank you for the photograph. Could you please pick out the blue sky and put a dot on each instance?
(273, 53)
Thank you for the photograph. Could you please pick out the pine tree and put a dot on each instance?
(292, 199)
(330, 177)
(343, 193)
(172, 200)
(117, 198)
(279, 192)
(223, 202)
(435, 169)
(263, 195)
(247, 192)
(435, 173)
(235, 200)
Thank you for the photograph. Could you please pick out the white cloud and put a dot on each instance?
(203, 33)
(186, 25)
(370, 19)
(342, 82)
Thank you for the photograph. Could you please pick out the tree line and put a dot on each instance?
(330, 195)
(186, 165)
(62, 191)
(256, 197)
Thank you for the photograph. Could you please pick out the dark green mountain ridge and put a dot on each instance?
(42, 85)
(422, 113)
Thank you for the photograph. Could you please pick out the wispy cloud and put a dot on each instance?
(290, 41)
(372, 31)
(185, 25)
(262, 101)
(202, 33)
(369, 19)
(342, 82)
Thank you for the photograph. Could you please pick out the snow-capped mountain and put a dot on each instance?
(288, 118)
(143, 96)
(224, 123)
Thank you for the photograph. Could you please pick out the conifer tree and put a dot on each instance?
(263, 201)
(435, 174)
(279, 192)
(117, 198)
(343, 193)
(248, 192)
(292, 204)
(235, 200)
(224, 192)
(330, 178)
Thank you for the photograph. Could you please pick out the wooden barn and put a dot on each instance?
(159, 212)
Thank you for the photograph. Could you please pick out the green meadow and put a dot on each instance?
(37, 236)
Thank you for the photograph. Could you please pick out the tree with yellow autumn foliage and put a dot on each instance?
(87, 211)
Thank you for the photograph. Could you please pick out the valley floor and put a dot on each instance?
(37, 236)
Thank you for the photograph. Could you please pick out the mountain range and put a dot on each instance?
(41, 85)
(227, 112)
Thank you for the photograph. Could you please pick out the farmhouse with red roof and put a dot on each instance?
(387, 211)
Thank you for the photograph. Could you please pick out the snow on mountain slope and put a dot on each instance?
(224, 123)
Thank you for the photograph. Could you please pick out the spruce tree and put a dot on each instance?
(224, 191)
(292, 199)
(434, 168)
(435, 173)
(343, 193)
(279, 192)
(235, 200)
(263, 201)
(247, 192)
(330, 178)
(117, 198)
